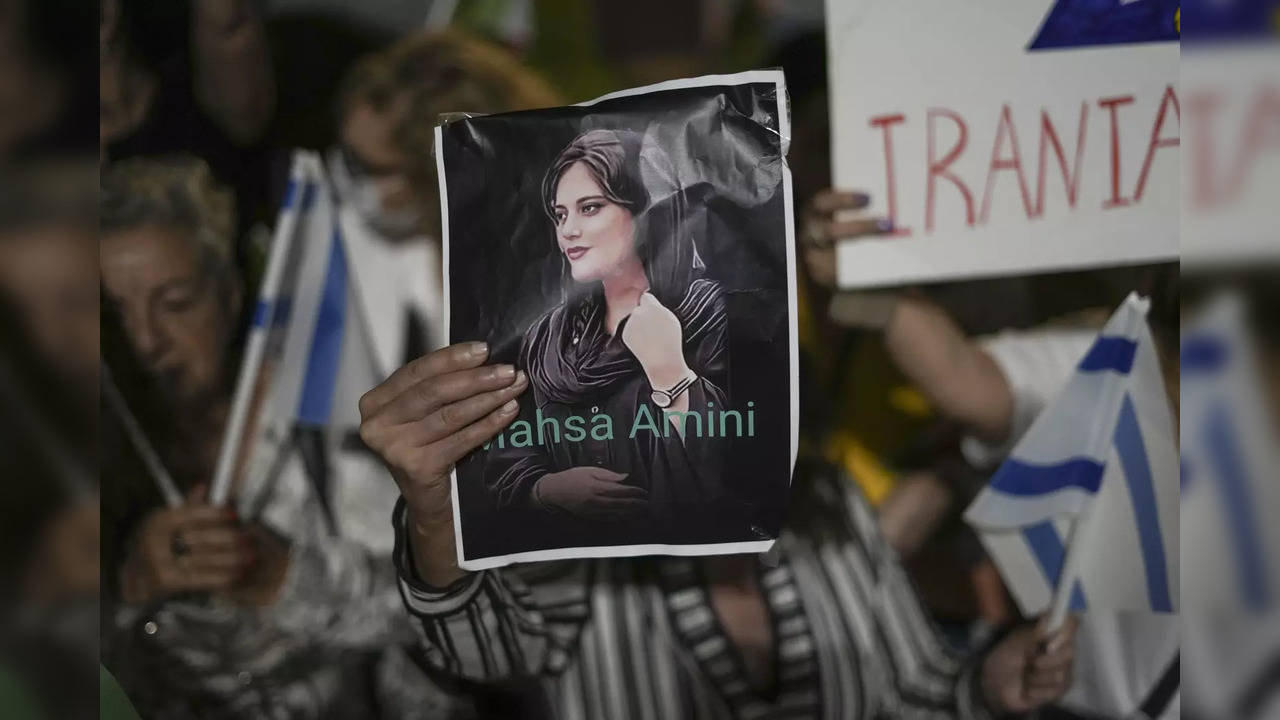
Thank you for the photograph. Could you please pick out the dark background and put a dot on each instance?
(505, 269)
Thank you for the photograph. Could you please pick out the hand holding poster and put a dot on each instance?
(633, 256)
(1006, 136)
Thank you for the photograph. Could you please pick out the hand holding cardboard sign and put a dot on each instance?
(427, 416)
(653, 335)
(822, 229)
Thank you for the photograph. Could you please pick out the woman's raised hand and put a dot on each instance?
(821, 230)
(425, 418)
(653, 334)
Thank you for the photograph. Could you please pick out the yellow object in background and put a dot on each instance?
(873, 476)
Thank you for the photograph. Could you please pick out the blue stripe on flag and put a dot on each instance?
(290, 194)
(284, 310)
(309, 195)
(1202, 354)
(1110, 353)
(261, 312)
(1234, 483)
(1050, 555)
(1137, 472)
(1024, 479)
(326, 342)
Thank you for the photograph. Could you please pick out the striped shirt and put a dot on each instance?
(638, 638)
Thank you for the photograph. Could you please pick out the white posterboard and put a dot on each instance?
(1232, 168)
(993, 158)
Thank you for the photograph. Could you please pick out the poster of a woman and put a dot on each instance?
(632, 257)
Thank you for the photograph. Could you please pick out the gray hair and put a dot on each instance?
(177, 192)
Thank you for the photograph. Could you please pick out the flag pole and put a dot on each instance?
(138, 439)
(303, 171)
(1062, 593)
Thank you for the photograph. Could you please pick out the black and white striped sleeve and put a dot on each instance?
(496, 624)
(928, 679)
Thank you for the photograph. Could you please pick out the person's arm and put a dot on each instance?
(1026, 670)
(234, 82)
(953, 372)
(495, 624)
(960, 379)
(654, 335)
(956, 375)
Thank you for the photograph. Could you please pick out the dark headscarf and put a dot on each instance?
(568, 353)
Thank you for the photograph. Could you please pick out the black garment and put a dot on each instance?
(577, 369)
(175, 123)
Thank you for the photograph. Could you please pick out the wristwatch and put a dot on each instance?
(664, 398)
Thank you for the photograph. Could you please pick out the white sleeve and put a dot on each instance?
(1036, 363)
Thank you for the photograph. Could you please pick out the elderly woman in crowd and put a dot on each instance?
(228, 612)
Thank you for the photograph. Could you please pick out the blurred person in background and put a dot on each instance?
(48, 537)
(384, 172)
(244, 612)
(994, 388)
(195, 77)
(49, 527)
(47, 77)
(49, 267)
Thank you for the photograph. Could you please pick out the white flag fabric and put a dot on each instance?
(1229, 462)
(308, 357)
(1088, 499)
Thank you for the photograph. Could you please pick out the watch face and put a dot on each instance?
(660, 399)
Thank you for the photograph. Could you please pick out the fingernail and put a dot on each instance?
(509, 407)
(521, 378)
(884, 225)
(861, 198)
(506, 372)
(478, 349)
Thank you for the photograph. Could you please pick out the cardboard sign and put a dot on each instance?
(1232, 94)
(1006, 136)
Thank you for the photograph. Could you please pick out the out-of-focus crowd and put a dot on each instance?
(130, 256)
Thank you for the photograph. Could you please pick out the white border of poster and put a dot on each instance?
(729, 548)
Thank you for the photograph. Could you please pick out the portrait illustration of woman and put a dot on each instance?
(640, 332)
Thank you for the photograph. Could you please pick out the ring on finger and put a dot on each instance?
(178, 545)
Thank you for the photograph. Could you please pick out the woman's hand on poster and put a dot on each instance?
(425, 418)
(821, 230)
(1030, 668)
(653, 334)
(191, 548)
(591, 492)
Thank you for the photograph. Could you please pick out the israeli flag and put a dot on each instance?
(1229, 461)
(1084, 513)
(308, 356)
